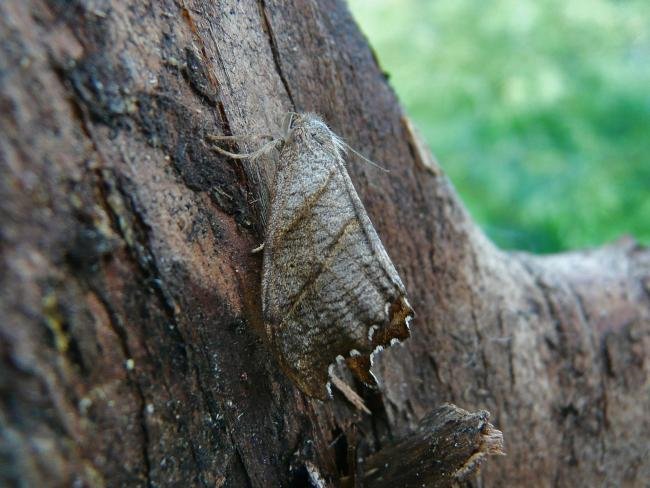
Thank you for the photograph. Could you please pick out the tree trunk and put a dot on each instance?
(133, 348)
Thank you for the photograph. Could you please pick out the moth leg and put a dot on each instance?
(351, 395)
(258, 249)
(220, 137)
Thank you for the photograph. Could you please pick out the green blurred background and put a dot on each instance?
(538, 110)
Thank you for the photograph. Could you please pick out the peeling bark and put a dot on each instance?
(132, 342)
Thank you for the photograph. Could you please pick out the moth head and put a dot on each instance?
(309, 130)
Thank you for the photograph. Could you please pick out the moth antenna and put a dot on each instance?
(361, 156)
(341, 146)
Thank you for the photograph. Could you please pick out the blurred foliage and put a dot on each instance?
(538, 110)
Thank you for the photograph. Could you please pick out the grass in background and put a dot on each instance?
(538, 110)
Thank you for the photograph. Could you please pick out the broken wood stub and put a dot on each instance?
(448, 446)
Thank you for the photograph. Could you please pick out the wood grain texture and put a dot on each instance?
(133, 346)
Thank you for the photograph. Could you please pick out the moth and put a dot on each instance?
(329, 288)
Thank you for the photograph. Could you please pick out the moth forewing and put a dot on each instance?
(329, 287)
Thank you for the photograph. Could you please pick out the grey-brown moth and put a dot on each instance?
(329, 288)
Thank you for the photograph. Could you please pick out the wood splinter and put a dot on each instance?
(449, 445)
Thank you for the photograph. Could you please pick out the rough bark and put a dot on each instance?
(445, 449)
(131, 334)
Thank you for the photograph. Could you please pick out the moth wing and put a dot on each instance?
(328, 286)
